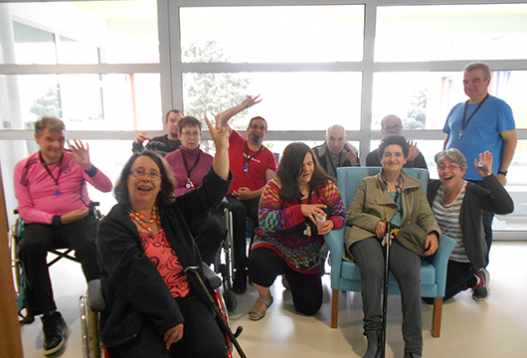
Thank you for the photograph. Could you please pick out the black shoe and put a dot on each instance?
(374, 344)
(55, 330)
(412, 355)
(239, 285)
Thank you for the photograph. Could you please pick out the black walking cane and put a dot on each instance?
(219, 317)
(385, 294)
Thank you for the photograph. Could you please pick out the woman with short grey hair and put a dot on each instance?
(458, 206)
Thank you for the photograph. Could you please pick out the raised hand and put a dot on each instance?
(219, 133)
(81, 154)
(140, 138)
(486, 160)
(251, 101)
(414, 151)
(351, 155)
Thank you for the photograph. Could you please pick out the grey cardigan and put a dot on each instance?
(495, 200)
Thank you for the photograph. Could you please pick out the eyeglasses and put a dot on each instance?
(190, 134)
(396, 127)
(140, 173)
(450, 167)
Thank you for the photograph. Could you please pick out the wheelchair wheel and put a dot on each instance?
(230, 300)
(91, 346)
(18, 274)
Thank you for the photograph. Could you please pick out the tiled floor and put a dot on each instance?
(495, 328)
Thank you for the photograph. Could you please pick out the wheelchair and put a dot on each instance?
(89, 315)
(60, 251)
(224, 265)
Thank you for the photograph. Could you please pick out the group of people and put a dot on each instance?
(167, 219)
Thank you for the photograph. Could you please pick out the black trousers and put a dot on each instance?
(208, 234)
(265, 265)
(202, 337)
(460, 276)
(38, 239)
(487, 220)
(242, 209)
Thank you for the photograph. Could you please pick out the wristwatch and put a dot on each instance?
(502, 173)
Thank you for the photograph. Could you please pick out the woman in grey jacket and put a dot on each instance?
(396, 198)
(458, 206)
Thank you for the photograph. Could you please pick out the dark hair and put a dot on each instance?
(188, 121)
(176, 111)
(290, 169)
(168, 183)
(394, 139)
(52, 123)
(255, 118)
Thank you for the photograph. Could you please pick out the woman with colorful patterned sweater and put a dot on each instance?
(292, 216)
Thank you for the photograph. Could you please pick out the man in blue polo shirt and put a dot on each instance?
(482, 123)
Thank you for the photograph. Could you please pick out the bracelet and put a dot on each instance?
(503, 173)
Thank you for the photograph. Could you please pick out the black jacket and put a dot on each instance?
(132, 287)
(495, 200)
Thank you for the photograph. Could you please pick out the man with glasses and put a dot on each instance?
(482, 123)
(51, 189)
(392, 124)
(252, 166)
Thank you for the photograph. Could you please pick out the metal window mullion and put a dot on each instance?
(79, 69)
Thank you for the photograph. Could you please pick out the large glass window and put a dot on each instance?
(423, 100)
(129, 101)
(259, 34)
(81, 32)
(291, 101)
(451, 32)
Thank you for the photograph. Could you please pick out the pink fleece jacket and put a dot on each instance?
(35, 188)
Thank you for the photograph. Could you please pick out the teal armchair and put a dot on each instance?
(345, 275)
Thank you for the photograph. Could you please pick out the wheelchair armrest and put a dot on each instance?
(214, 280)
(95, 298)
(440, 261)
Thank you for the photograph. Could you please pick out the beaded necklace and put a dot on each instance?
(141, 220)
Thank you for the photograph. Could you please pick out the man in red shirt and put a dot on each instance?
(252, 166)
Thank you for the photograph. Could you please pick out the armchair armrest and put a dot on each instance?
(440, 261)
(335, 241)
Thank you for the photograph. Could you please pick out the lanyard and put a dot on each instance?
(248, 158)
(307, 230)
(464, 124)
(56, 180)
(190, 184)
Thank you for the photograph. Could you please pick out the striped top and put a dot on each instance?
(448, 219)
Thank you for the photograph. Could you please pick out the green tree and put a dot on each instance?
(211, 93)
(48, 104)
(416, 117)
